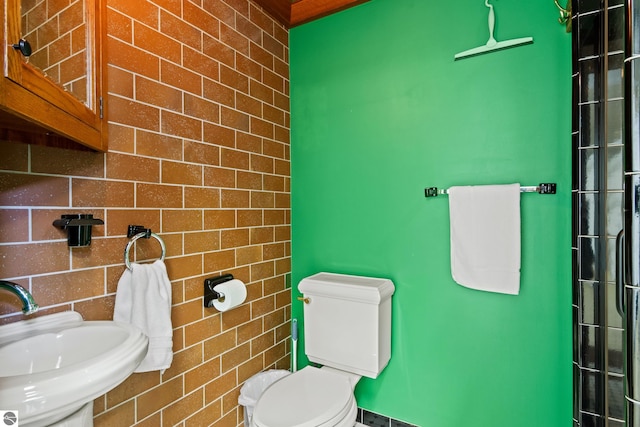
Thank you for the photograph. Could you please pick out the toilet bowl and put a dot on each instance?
(311, 397)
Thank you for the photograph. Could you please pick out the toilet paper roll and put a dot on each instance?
(235, 292)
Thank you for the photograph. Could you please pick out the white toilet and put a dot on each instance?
(347, 330)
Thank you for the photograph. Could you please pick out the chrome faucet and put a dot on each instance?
(29, 305)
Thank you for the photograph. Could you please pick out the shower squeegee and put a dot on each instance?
(492, 44)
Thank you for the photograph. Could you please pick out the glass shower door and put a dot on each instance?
(631, 271)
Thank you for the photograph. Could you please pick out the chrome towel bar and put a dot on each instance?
(543, 188)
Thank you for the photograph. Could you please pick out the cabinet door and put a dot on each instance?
(53, 72)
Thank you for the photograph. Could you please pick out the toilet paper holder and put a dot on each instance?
(209, 293)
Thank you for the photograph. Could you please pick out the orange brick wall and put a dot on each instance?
(199, 153)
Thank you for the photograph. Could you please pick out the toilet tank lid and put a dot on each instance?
(372, 290)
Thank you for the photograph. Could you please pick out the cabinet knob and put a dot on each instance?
(24, 47)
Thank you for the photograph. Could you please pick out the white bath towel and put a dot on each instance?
(485, 237)
(143, 299)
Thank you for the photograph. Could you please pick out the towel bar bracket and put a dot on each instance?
(432, 192)
(137, 229)
(547, 188)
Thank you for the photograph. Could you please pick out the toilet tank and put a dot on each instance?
(347, 322)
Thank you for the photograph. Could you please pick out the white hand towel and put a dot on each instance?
(485, 237)
(143, 299)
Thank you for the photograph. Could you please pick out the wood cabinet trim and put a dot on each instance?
(297, 12)
(304, 11)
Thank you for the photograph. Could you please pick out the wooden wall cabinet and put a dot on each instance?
(55, 94)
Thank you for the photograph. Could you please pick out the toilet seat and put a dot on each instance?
(311, 397)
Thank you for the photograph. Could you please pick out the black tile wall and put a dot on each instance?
(590, 34)
(376, 420)
(616, 26)
(597, 202)
(395, 423)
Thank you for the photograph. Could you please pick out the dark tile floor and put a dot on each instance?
(375, 420)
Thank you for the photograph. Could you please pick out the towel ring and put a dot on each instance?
(138, 236)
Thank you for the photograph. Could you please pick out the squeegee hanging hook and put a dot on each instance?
(492, 24)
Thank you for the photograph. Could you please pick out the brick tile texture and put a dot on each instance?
(199, 152)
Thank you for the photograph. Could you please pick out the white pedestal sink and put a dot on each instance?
(51, 366)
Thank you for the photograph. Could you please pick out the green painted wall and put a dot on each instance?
(379, 110)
